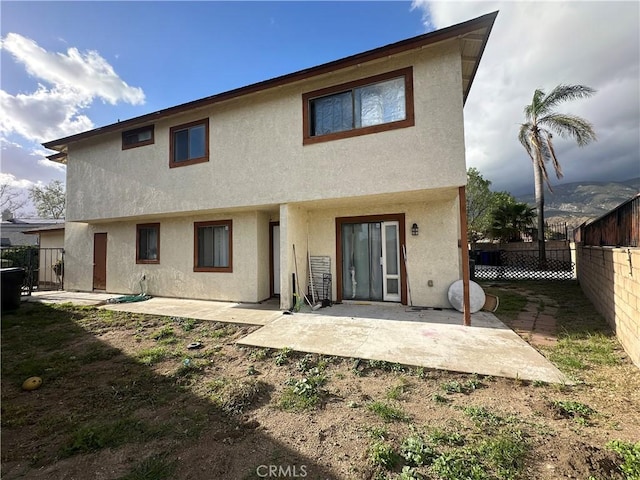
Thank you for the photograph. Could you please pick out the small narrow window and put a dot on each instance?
(138, 137)
(189, 143)
(148, 243)
(213, 246)
(370, 105)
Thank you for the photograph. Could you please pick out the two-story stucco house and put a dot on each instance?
(355, 161)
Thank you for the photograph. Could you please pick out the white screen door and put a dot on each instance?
(276, 259)
(390, 261)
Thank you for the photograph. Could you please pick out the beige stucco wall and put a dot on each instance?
(174, 275)
(259, 171)
(610, 278)
(293, 231)
(257, 156)
(432, 255)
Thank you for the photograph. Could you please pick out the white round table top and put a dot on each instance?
(476, 296)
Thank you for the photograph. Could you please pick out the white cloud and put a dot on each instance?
(41, 155)
(52, 165)
(44, 114)
(73, 81)
(540, 45)
(19, 183)
(5, 143)
(88, 73)
(27, 165)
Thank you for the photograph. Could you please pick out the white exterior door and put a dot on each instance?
(276, 259)
(390, 261)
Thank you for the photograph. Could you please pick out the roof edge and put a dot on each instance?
(436, 36)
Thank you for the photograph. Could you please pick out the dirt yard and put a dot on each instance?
(124, 397)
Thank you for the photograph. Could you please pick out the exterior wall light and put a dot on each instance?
(414, 229)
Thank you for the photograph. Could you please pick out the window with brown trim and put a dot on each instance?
(189, 143)
(213, 246)
(138, 137)
(148, 243)
(369, 105)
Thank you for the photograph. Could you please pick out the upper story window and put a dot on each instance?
(189, 143)
(138, 137)
(148, 243)
(370, 105)
(213, 246)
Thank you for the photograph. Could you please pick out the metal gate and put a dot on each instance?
(51, 269)
(523, 265)
(44, 267)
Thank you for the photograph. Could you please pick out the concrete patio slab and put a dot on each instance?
(258, 314)
(77, 298)
(432, 339)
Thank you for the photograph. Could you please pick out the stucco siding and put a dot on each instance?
(433, 257)
(174, 275)
(257, 156)
(78, 258)
(293, 231)
(432, 254)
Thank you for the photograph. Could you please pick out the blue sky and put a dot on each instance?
(70, 66)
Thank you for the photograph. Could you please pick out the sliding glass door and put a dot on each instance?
(371, 261)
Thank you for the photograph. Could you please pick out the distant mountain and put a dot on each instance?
(577, 202)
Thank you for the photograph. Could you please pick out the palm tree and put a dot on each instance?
(536, 138)
(511, 221)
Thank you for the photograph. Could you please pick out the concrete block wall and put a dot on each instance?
(610, 278)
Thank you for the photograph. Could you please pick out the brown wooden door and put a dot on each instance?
(100, 261)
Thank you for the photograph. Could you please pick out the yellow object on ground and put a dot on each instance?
(32, 383)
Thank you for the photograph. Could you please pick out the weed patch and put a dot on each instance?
(442, 437)
(93, 437)
(282, 357)
(186, 324)
(259, 354)
(458, 465)
(466, 387)
(155, 467)
(399, 390)
(235, 397)
(505, 452)
(164, 333)
(578, 411)
(436, 397)
(383, 455)
(221, 330)
(387, 412)
(379, 433)
(581, 352)
(151, 356)
(483, 417)
(303, 394)
(416, 452)
(630, 454)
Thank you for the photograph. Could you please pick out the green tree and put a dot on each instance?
(511, 221)
(481, 202)
(536, 134)
(49, 200)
